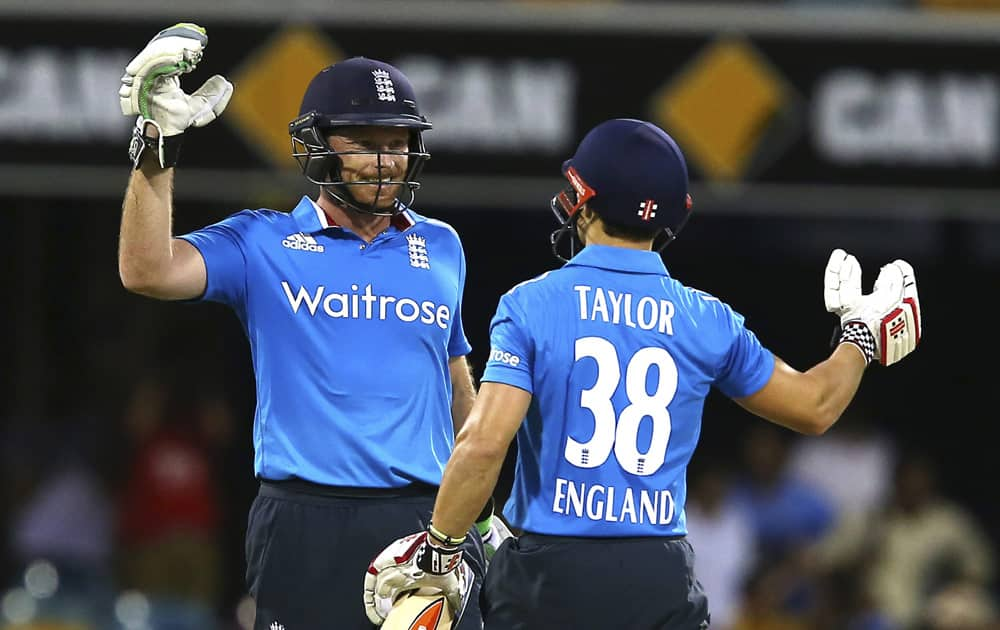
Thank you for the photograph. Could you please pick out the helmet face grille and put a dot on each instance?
(566, 206)
(569, 201)
(321, 165)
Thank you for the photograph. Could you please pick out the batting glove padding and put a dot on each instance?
(413, 564)
(842, 282)
(884, 324)
(152, 91)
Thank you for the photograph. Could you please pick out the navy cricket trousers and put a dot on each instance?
(308, 547)
(541, 582)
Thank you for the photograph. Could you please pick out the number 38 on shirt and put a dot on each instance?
(619, 432)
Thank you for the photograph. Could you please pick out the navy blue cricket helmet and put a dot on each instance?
(630, 172)
(352, 93)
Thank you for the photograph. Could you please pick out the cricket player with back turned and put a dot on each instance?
(601, 369)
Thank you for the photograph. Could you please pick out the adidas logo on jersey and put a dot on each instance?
(302, 242)
(417, 248)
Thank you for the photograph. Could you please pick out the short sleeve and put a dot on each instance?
(511, 349)
(747, 366)
(223, 247)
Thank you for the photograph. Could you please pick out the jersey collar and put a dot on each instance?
(311, 218)
(619, 259)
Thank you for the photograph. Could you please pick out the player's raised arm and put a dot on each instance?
(883, 325)
(150, 260)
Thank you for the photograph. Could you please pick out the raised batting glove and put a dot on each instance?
(411, 564)
(151, 90)
(884, 324)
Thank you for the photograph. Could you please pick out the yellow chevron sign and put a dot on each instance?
(724, 107)
(269, 87)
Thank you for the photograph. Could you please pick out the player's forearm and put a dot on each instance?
(145, 239)
(480, 450)
(468, 483)
(463, 392)
(460, 407)
(809, 402)
(838, 379)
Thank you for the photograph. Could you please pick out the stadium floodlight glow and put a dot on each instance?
(41, 579)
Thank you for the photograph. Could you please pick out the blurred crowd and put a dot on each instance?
(847, 531)
(125, 531)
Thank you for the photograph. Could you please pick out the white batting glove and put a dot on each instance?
(411, 564)
(842, 282)
(884, 324)
(152, 91)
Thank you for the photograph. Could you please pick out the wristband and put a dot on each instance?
(858, 334)
(166, 148)
(444, 539)
(485, 519)
(438, 560)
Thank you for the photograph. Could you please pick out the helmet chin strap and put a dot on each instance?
(663, 239)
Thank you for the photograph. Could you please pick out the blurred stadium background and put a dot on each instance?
(808, 125)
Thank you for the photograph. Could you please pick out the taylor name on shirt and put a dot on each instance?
(614, 307)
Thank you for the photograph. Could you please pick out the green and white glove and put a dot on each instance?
(151, 90)
(492, 530)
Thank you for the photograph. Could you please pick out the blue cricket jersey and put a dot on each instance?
(350, 341)
(618, 357)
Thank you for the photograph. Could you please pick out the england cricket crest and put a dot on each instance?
(383, 85)
(416, 246)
